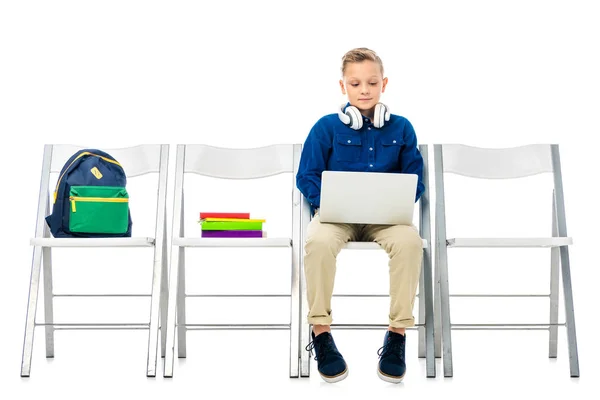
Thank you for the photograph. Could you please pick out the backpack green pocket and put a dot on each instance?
(98, 209)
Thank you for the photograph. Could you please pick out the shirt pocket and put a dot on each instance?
(347, 148)
(390, 147)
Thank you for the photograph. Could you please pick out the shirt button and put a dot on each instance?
(393, 141)
(369, 128)
(349, 141)
(370, 149)
(371, 165)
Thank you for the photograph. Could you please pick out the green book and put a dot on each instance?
(231, 226)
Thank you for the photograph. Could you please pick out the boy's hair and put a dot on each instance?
(358, 55)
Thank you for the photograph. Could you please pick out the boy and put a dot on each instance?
(362, 136)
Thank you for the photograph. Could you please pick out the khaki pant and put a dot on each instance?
(324, 242)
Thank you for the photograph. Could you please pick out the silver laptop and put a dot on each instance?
(368, 197)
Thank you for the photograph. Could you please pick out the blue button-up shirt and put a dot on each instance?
(333, 146)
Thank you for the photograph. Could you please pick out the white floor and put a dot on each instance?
(228, 364)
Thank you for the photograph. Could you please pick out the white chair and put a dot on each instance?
(503, 164)
(231, 164)
(425, 323)
(136, 161)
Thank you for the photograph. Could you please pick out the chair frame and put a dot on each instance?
(533, 159)
(54, 158)
(426, 329)
(243, 169)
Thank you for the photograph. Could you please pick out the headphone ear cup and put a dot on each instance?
(382, 114)
(346, 120)
(355, 117)
(378, 115)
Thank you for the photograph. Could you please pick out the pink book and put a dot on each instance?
(224, 215)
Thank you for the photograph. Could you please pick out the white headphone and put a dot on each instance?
(352, 117)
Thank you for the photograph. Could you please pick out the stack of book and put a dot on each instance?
(230, 225)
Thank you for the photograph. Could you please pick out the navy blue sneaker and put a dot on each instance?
(391, 358)
(331, 364)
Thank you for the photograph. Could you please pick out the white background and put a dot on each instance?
(247, 74)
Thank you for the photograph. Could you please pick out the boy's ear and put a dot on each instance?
(384, 84)
(342, 86)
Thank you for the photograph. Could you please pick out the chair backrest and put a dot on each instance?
(136, 161)
(499, 163)
(476, 162)
(229, 163)
(232, 163)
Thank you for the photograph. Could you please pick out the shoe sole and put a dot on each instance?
(336, 378)
(390, 378)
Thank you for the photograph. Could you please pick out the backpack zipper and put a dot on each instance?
(85, 153)
(73, 199)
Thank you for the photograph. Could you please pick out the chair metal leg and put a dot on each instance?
(181, 328)
(297, 252)
(172, 313)
(31, 311)
(429, 326)
(421, 329)
(569, 312)
(304, 325)
(442, 261)
(437, 312)
(295, 313)
(36, 266)
(48, 291)
(164, 297)
(304, 328)
(173, 316)
(425, 233)
(554, 271)
(565, 265)
(181, 323)
(48, 301)
(155, 309)
(446, 324)
(304, 355)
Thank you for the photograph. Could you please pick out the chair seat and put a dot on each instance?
(93, 242)
(369, 245)
(510, 242)
(232, 242)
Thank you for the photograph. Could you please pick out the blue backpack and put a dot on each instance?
(90, 199)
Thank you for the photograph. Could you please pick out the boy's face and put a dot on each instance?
(363, 84)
